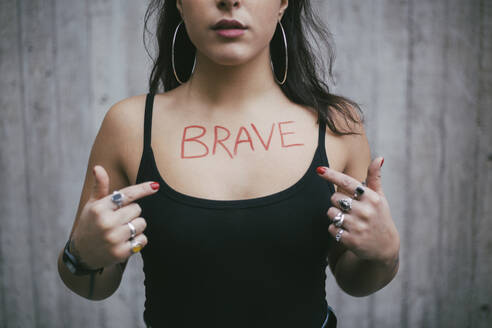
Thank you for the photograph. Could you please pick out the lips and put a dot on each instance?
(224, 24)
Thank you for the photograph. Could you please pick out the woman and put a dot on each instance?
(240, 217)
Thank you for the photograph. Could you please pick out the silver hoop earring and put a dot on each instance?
(172, 56)
(286, 59)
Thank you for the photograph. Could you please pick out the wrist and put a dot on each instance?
(74, 251)
(72, 260)
(389, 263)
(391, 258)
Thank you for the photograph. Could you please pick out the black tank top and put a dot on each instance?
(257, 262)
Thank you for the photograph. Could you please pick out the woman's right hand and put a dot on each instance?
(102, 235)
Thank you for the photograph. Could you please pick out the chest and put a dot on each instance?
(235, 160)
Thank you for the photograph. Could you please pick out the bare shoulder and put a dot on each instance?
(347, 150)
(125, 112)
(123, 123)
(126, 122)
(124, 129)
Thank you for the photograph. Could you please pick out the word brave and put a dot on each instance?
(220, 141)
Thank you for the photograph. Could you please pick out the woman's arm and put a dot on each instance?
(379, 250)
(358, 277)
(106, 152)
(102, 286)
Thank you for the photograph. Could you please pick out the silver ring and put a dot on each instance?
(117, 198)
(339, 235)
(338, 219)
(133, 231)
(345, 204)
(358, 191)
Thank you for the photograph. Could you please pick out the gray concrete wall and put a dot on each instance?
(421, 70)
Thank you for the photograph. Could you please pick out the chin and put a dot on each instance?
(229, 56)
(229, 59)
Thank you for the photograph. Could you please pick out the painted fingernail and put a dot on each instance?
(381, 165)
(154, 185)
(321, 169)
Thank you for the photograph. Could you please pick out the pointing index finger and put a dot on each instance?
(342, 180)
(134, 192)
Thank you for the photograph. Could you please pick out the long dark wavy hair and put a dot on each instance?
(304, 84)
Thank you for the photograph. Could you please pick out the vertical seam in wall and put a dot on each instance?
(474, 226)
(3, 269)
(56, 82)
(89, 62)
(407, 229)
(373, 129)
(442, 167)
(22, 59)
(60, 155)
(3, 265)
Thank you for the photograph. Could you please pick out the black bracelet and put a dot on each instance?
(75, 265)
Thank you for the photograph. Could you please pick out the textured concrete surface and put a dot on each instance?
(421, 71)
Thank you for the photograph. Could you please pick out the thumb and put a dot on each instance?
(373, 179)
(101, 184)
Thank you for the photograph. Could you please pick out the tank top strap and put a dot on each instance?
(321, 142)
(321, 133)
(149, 104)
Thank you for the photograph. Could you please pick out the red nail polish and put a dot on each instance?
(154, 185)
(320, 169)
(381, 165)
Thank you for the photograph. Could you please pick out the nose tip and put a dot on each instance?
(227, 4)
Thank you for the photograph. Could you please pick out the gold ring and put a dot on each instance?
(136, 246)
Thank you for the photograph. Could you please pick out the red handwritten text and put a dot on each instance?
(242, 136)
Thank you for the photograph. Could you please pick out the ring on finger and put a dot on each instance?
(117, 198)
(133, 231)
(358, 191)
(345, 204)
(135, 246)
(338, 219)
(339, 235)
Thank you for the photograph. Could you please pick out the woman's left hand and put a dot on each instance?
(368, 229)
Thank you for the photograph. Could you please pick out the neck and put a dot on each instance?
(218, 87)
